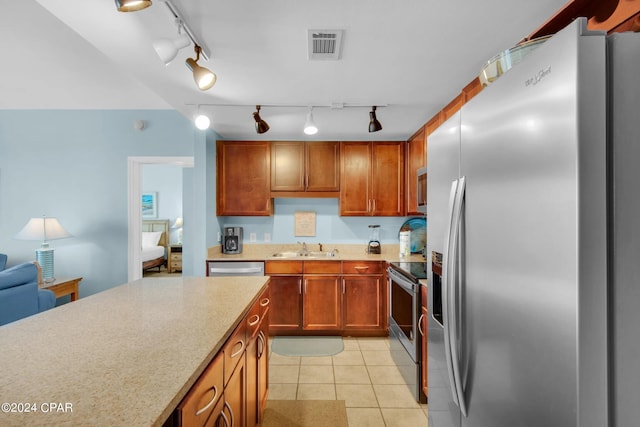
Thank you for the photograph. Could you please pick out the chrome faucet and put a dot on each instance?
(304, 247)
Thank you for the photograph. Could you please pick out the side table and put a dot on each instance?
(64, 286)
(175, 258)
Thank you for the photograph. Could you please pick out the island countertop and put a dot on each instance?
(125, 356)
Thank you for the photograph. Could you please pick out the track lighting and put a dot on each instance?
(167, 49)
(204, 78)
(261, 125)
(132, 5)
(310, 127)
(374, 124)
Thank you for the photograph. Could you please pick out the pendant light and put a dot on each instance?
(204, 78)
(310, 127)
(261, 125)
(374, 124)
(132, 5)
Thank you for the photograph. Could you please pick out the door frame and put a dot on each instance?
(134, 170)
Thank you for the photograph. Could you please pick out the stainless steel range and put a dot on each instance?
(404, 312)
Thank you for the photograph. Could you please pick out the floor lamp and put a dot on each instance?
(44, 229)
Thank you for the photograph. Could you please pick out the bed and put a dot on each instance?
(155, 241)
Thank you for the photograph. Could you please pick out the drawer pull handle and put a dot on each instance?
(241, 342)
(230, 412)
(264, 302)
(253, 322)
(211, 402)
(224, 418)
(360, 269)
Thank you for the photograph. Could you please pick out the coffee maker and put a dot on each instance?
(373, 247)
(232, 240)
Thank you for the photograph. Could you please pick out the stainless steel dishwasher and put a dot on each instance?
(235, 268)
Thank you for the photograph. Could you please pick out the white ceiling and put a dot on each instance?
(411, 56)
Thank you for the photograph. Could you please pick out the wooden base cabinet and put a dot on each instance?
(327, 297)
(321, 303)
(423, 331)
(232, 390)
(364, 299)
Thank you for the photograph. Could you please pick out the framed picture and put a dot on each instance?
(305, 223)
(150, 205)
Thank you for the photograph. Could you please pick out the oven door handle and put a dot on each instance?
(450, 295)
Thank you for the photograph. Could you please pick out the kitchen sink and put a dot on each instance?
(307, 254)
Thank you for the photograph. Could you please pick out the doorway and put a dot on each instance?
(135, 190)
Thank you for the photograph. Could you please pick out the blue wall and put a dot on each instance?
(73, 165)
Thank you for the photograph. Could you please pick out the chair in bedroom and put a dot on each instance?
(20, 295)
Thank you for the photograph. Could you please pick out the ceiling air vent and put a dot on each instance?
(325, 44)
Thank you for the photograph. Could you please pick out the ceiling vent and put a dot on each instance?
(325, 44)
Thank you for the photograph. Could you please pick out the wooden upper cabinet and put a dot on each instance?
(299, 167)
(372, 178)
(243, 184)
(416, 158)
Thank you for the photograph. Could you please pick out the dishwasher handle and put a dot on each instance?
(231, 270)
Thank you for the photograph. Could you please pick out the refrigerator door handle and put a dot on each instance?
(454, 280)
(446, 278)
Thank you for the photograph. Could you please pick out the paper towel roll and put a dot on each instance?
(405, 243)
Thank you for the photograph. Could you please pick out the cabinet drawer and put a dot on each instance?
(253, 320)
(362, 267)
(176, 257)
(199, 403)
(264, 303)
(322, 267)
(234, 350)
(283, 267)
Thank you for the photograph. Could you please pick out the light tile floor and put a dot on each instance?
(364, 375)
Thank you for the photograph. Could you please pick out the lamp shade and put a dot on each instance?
(204, 78)
(178, 223)
(167, 49)
(132, 5)
(374, 124)
(43, 229)
(310, 127)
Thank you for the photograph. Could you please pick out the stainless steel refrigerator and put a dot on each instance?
(533, 206)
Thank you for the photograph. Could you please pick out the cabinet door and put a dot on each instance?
(322, 302)
(234, 397)
(263, 365)
(287, 166)
(363, 303)
(252, 381)
(355, 191)
(322, 166)
(416, 158)
(243, 178)
(285, 306)
(387, 178)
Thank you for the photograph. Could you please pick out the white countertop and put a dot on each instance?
(126, 356)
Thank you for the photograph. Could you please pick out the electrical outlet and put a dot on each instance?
(219, 237)
(267, 237)
(252, 237)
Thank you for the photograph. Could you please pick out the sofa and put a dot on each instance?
(20, 295)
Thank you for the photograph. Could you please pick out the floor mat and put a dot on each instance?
(305, 413)
(307, 346)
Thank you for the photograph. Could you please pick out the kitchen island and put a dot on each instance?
(126, 356)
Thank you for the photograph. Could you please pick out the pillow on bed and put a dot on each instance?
(150, 238)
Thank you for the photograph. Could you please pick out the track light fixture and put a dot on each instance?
(167, 49)
(310, 127)
(374, 124)
(261, 125)
(204, 78)
(132, 5)
(201, 120)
